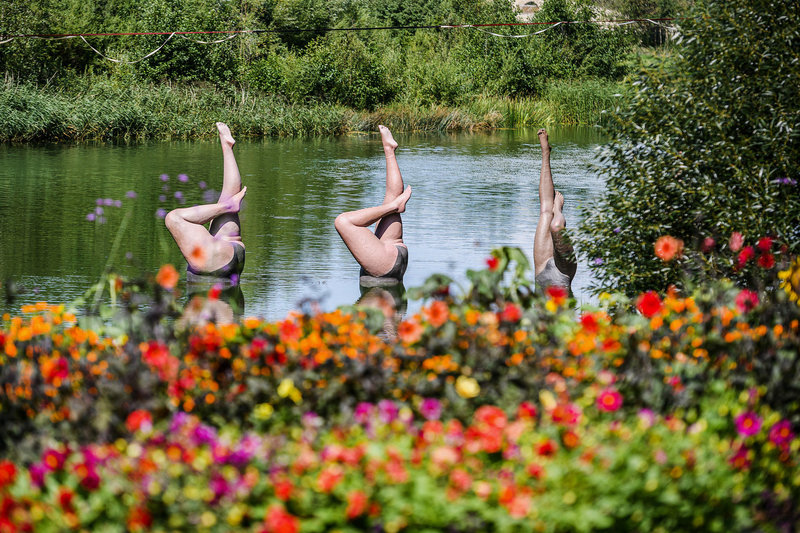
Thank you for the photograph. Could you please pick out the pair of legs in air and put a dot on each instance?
(553, 256)
(379, 253)
(218, 250)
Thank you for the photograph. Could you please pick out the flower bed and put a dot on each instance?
(491, 409)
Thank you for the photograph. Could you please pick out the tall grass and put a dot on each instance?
(99, 109)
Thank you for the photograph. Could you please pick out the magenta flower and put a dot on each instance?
(746, 300)
(363, 412)
(37, 472)
(431, 409)
(740, 459)
(387, 411)
(609, 400)
(204, 434)
(748, 424)
(781, 434)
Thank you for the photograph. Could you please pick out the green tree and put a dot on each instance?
(709, 145)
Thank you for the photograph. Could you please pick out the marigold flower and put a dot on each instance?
(409, 331)
(609, 400)
(649, 304)
(736, 241)
(437, 313)
(167, 277)
(748, 424)
(668, 248)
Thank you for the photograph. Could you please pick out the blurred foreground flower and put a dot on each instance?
(790, 280)
(668, 248)
(167, 277)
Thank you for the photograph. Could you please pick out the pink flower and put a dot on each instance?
(746, 300)
(748, 424)
(387, 411)
(781, 433)
(609, 400)
(736, 241)
(708, 244)
(430, 409)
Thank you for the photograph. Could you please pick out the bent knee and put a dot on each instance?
(342, 221)
(172, 220)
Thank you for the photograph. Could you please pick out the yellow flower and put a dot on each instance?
(263, 411)
(467, 387)
(791, 280)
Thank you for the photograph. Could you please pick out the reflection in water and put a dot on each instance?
(472, 192)
(216, 304)
(388, 299)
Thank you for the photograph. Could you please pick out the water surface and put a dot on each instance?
(471, 192)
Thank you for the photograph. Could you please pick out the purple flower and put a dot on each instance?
(162, 197)
(617, 229)
(210, 196)
(37, 472)
(202, 184)
(431, 409)
(90, 217)
(234, 278)
(98, 210)
(161, 213)
(204, 434)
(597, 261)
(108, 201)
(99, 201)
(179, 195)
(748, 424)
(387, 411)
(183, 178)
(101, 220)
(117, 203)
(363, 412)
(164, 177)
(786, 181)
(131, 194)
(178, 421)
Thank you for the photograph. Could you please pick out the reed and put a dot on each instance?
(102, 109)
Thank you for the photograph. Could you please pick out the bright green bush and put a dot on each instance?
(709, 146)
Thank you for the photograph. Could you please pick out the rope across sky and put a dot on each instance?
(231, 34)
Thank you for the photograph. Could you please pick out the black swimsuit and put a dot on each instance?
(233, 268)
(393, 277)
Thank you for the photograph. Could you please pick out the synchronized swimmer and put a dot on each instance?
(218, 252)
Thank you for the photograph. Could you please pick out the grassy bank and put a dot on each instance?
(101, 110)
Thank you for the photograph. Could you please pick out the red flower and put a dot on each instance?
(764, 244)
(356, 504)
(289, 331)
(139, 420)
(215, 291)
(329, 478)
(766, 261)
(460, 479)
(492, 263)
(546, 448)
(283, 489)
(745, 255)
(526, 410)
(139, 519)
(589, 323)
(65, 499)
(8, 473)
(488, 415)
(566, 413)
(740, 459)
(409, 331)
(278, 520)
(746, 300)
(649, 304)
(510, 313)
(557, 293)
(708, 244)
(609, 400)
(668, 248)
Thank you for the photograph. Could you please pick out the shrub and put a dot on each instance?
(708, 147)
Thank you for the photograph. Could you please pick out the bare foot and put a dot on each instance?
(235, 203)
(389, 144)
(559, 222)
(225, 136)
(543, 140)
(400, 201)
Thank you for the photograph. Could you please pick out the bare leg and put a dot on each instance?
(563, 253)
(390, 228)
(202, 250)
(376, 255)
(228, 226)
(543, 241)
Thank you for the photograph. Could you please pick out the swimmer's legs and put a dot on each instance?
(390, 228)
(543, 248)
(228, 225)
(202, 250)
(376, 255)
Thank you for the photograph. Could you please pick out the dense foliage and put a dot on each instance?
(493, 408)
(709, 146)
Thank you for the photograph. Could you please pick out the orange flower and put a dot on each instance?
(668, 248)
(167, 277)
(409, 331)
(199, 255)
(437, 314)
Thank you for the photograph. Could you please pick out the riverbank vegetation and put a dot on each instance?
(286, 82)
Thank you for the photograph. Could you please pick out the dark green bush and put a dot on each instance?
(709, 146)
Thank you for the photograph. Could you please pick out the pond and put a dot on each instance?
(471, 192)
